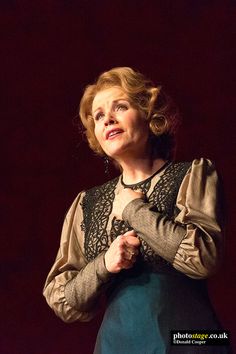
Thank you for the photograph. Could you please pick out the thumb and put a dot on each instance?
(130, 233)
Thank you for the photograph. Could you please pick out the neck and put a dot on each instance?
(137, 170)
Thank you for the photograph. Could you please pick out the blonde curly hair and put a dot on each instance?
(144, 96)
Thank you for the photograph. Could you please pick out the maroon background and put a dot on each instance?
(49, 51)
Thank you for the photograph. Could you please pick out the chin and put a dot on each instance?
(116, 152)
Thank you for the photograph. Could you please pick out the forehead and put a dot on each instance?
(107, 96)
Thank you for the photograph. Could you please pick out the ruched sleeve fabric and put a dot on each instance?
(192, 242)
(73, 286)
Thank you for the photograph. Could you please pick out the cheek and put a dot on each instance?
(98, 134)
(141, 126)
(143, 132)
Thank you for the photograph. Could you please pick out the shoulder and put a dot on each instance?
(97, 190)
(101, 191)
(197, 169)
(176, 170)
(204, 162)
(88, 197)
(202, 166)
(199, 164)
(200, 179)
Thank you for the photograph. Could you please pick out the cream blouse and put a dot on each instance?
(191, 242)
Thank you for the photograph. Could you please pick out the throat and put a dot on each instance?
(142, 172)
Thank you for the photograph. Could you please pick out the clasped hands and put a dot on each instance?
(124, 249)
(122, 252)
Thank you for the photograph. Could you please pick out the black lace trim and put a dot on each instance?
(144, 185)
(163, 199)
(166, 190)
(97, 207)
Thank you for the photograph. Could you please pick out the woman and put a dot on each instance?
(146, 239)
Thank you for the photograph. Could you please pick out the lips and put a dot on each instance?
(113, 132)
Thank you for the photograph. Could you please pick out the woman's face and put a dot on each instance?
(121, 130)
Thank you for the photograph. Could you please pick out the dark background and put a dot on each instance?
(49, 51)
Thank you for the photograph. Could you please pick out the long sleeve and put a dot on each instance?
(73, 286)
(192, 242)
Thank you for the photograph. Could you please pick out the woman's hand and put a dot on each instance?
(123, 198)
(122, 252)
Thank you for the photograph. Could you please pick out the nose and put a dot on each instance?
(110, 119)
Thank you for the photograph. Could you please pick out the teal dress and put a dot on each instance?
(145, 306)
(152, 299)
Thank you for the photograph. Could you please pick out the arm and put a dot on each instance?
(193, 241)
(73, 286)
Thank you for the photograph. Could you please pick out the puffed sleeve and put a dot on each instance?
(73, 286)
(192, 242)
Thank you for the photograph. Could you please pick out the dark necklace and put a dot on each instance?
(145, 184)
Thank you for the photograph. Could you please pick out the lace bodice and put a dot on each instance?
(97, 210)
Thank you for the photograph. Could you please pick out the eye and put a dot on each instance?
(121, 107)
(98, 116)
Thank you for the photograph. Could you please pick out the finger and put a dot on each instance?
(132, 250)
(127, 240)
(132, 259)
(132, 241)
(130, 233)
(126, 264)
(130, 255)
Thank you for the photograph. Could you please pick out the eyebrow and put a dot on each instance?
(114, 101)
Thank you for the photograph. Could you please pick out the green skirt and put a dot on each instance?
(144, 307)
